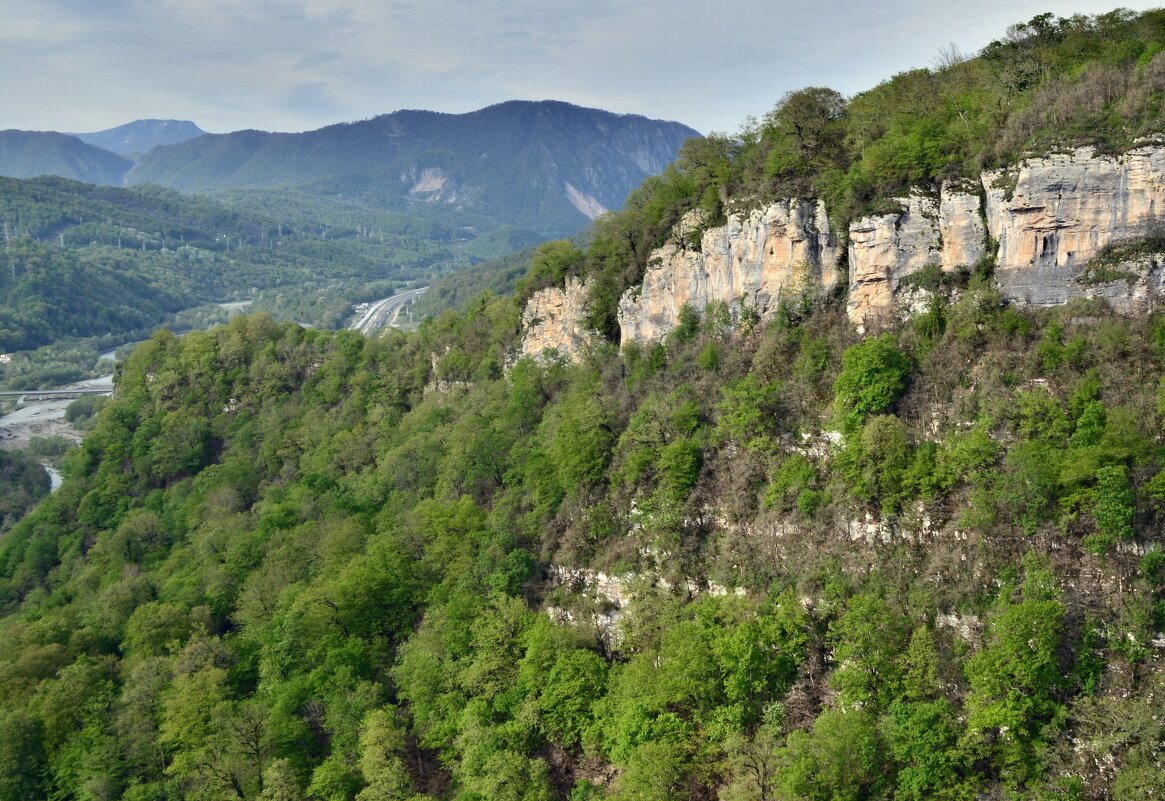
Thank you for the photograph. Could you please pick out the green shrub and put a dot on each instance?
(873, 465)
(687, 323)
(873, 376)
(679, 467)
(1113, 507)
(796, 477)
(709, 357)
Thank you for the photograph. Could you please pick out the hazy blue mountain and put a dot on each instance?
(27, 154)
(141, 136)
(549, 166)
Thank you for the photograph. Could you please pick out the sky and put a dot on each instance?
(293, 65)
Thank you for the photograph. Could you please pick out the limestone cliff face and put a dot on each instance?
(946, 232)
(754, 260)
(1065, 210)
(1053, 218)
(554, 320)
(1061, 224)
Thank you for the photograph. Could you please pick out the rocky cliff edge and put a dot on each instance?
(1068, 225)
(753, 261)
(554, 321)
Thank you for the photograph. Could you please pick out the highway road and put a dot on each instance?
(384, 312)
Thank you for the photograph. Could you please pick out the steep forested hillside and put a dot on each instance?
(769, 561)
(294, 562)
(23, 482)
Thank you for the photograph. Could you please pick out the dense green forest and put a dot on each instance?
(23, 482)
(757, 560)
(285, 564)
(86, 261)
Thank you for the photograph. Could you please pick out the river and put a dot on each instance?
(55, 479)
(46, 419)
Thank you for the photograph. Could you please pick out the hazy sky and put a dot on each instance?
(289, 65)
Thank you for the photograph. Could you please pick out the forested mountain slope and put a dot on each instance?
(82, 260)
(548, 166)
(28, 154)
(752, 559)
(289, 560)
(319, 220)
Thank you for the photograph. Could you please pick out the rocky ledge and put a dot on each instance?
(554, 321)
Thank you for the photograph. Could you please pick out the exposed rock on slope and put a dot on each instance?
(754, 260)
(1065, 210)
(883, 250)
(554, 319)
(1056, 220)
(1070, 225)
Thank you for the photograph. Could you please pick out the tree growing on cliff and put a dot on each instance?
(549, 265)
(805, 133)
(873, 377)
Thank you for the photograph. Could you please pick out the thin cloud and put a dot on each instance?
(316, 60)
(300, 64)
(312, 99)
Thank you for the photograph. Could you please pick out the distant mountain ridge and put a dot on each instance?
(28, 154)
(141, 136)
(101, 261)
(546, 165)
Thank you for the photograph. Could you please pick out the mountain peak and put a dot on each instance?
(141, 136)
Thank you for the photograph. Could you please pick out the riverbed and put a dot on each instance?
(45, 418)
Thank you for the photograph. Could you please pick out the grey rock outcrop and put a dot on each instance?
(1065, 210)
(753, 261)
